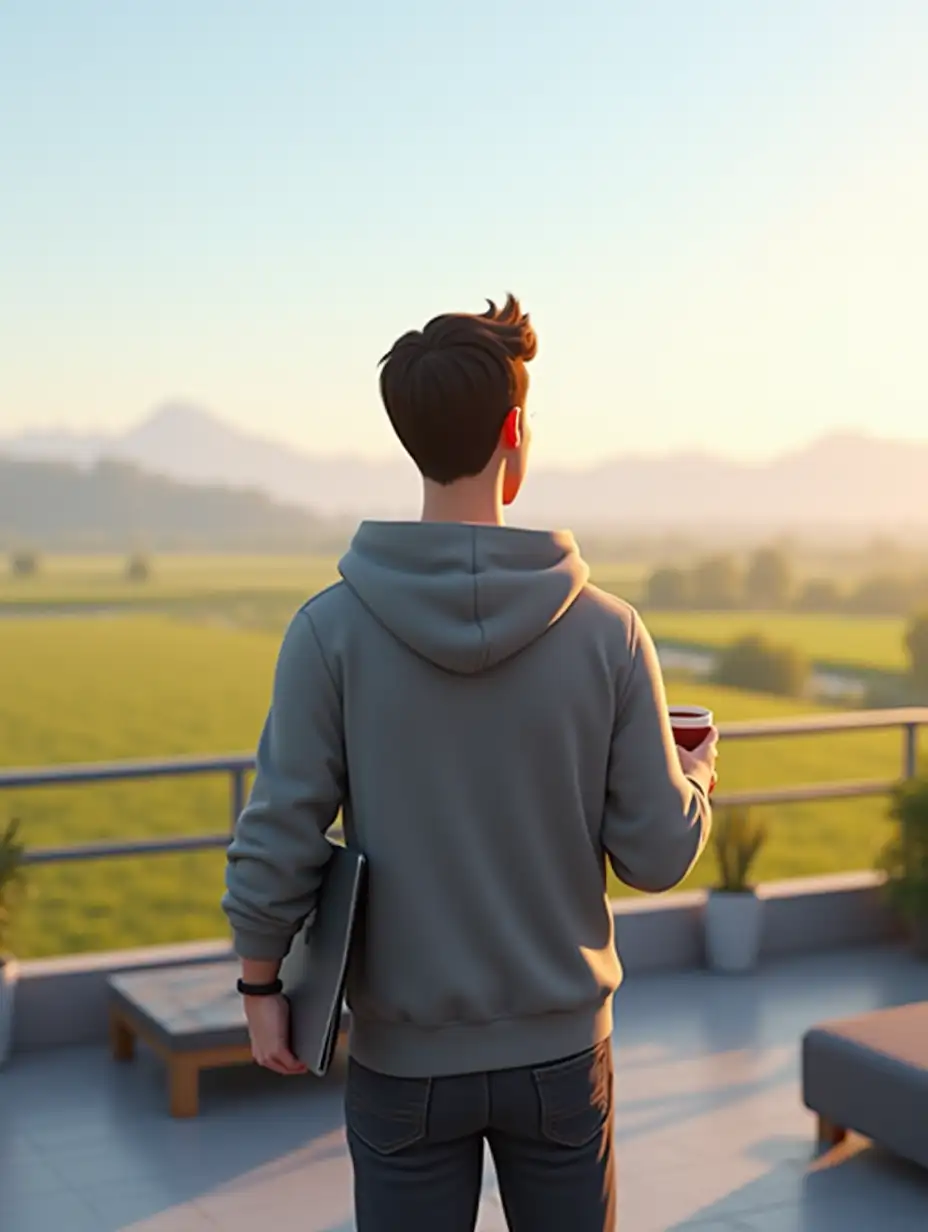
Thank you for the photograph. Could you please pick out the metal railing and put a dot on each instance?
(237, 767)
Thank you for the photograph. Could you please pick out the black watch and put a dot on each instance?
(259, 990)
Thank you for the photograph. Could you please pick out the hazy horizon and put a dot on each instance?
(713, 212)
(820, 485)
(54, 432)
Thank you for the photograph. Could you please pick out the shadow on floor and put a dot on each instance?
(650, 1115)
(856, 1187)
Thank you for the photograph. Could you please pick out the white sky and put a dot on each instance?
(716, 213)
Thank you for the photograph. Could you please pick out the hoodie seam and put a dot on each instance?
(322, 654)
(485, 657)
(321, 594)
(633, 644)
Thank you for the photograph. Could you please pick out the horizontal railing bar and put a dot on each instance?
(825, 724)
(230, 763)
(68, 775)
(242, 763)
(802, 794)
(799, 794)
(145, 847)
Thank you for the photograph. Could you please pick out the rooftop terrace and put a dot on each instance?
(710, 1128)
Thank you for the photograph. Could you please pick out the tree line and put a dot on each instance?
(58, 507)
(768, 581)
(758, 663)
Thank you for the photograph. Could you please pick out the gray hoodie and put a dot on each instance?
(493, 729)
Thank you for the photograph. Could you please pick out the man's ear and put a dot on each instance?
(511, 435)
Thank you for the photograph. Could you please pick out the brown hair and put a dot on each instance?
(449, 387)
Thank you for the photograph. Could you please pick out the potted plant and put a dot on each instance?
(733, 910)
(11, 865)
(904, 859)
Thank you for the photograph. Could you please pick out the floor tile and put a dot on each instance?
(48, 1212)
(25, 1171)
(143, 1208)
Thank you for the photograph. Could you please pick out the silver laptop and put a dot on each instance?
(315, 970)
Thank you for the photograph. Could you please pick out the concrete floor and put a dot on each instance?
(710, 1128)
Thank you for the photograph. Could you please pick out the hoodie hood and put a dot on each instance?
(464, 597)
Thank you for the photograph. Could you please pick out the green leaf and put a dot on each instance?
(737, 841)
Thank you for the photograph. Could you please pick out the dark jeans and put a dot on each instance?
(417, 1147)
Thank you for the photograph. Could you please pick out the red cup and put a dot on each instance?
(691, 725)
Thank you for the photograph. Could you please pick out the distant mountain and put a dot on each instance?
(111, 505)
(193, 445)
(841, 481)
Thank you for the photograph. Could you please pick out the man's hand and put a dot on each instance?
(269, 1030)
(700, 763)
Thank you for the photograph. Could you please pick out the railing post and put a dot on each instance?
(237, 799)
(910, 751)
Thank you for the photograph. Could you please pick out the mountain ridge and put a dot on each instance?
(845, 479)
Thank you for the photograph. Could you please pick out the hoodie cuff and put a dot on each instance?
(260, 947)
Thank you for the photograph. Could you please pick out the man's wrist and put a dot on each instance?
(260, 971)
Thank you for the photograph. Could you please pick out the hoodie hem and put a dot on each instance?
(404, 1050)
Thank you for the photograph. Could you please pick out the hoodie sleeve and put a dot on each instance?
(279, 850)
(656, 820)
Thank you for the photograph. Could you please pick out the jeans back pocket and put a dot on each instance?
(576, 1096)
(387, 1114)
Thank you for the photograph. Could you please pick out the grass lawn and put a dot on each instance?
(868, 642)
(143, 685)
(140, 686)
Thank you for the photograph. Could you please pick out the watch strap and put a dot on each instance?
(259, 990)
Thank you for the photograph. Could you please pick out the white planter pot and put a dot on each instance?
(733, 930)
(9, 975)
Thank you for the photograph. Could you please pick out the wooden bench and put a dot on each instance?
(190, 1016)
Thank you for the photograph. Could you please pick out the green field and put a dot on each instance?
(84, 688)
(102, 580)
(66, 580)
(253, 592)
(261, 591)
(868, 642)
(246, 592)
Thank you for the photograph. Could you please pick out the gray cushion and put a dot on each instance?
(870, 1075)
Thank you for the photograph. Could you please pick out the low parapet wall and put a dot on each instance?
(63, 1001)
